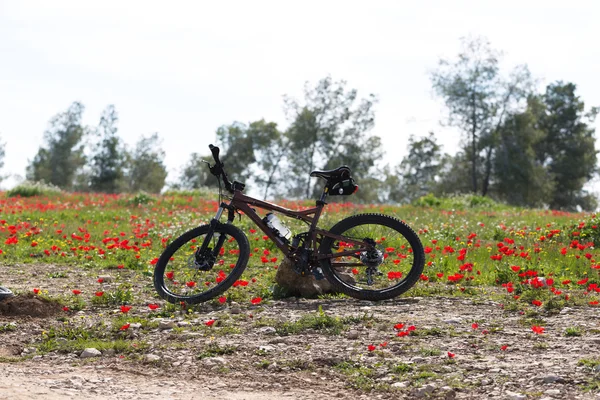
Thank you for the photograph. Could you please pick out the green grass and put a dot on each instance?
(213, 349)
(318, 321)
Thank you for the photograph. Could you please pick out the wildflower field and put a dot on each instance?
(507, 305)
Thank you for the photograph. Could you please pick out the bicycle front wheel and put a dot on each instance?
(390, 269)
(179, 277)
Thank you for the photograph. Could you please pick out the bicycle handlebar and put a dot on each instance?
(217, 170)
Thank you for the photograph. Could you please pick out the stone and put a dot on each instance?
(552, 379)
(352, 334)
(425, 391)
(454, 321)
(135, 325)
(401, 385)
(151, 357)
(304, 286)
(90, 352)
(266, 348)
(235, 308)
(105, 278)
(266, 330)
(211, 361)
(515, 395)
(166, 324)
(552, 392)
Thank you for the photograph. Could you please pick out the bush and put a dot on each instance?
(140, 198)
(457, 202)
(30, 189)
(428, 201)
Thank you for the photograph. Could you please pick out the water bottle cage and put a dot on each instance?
(341, 187)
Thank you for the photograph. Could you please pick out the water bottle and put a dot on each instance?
(277, 227)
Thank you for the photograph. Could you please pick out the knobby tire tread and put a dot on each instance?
(236, 272)
(374, 295)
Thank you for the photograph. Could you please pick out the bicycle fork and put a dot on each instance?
(205, 257)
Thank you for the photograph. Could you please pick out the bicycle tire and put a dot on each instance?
(351, 289)
(237, 270)
(5, 293)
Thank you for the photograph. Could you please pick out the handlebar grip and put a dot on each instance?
(215, 152)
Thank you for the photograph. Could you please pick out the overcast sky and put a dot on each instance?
(183, 68)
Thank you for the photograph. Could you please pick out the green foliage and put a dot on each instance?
(121, 295)
(478, 99)
(195, 174)
(30, 189)
(459, 202)
(141, 198)
(145, 170)
(569, 146)
(418, 171)
(317, 321)
(573, 331)
(60, 160)
(214, 350)
(329, 130)
(108, 157)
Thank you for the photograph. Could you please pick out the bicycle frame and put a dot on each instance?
(243, 203)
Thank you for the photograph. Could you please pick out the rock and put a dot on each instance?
(304, 286)
(424, 391)
(151, 357)
(552, 379)
(418, 359)
(266, 348)
(401, 385)
(212, 361)
(515, 395)
(448, 392)
(266, 330)
(352, 334)
(552, 392)
(183, 323)
(166, 324)
(90, 352)
(454, 321)
(135, 325)
(273, 367)
(105, 278)
(235, 308)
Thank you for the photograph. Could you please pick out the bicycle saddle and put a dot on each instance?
(341, 172)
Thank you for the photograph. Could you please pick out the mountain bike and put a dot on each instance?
(365, 256)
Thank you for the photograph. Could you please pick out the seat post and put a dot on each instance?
(321, 201)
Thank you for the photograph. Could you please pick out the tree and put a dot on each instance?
(195, 173)
(329, 129)
(478, 100)
(146, 170)
(568, 150)
(2, 154)
(270, 152)
(58, 162)
(418, 170)
(520, 178)
(238, 150)
(108, 157)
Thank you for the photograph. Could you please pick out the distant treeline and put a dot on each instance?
(518, 146)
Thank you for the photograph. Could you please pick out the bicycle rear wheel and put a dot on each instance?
(178, 277)
(387, 271)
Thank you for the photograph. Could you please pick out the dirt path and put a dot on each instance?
(27, 381)
(471, 347)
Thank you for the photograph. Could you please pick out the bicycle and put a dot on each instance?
(365, 256)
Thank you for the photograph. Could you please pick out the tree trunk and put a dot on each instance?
(488, 172)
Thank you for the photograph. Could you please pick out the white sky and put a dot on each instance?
(183, 68)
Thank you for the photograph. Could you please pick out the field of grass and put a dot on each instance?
(468, 242)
